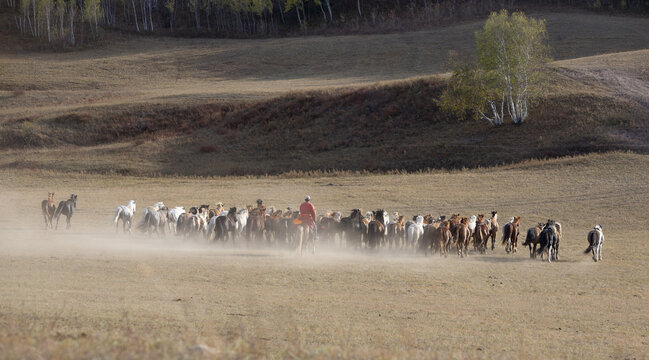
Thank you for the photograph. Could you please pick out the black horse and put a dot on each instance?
(66, 208)
(351, 228)
(548, 239)
(223, 226)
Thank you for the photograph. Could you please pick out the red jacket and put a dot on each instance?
(307, 209)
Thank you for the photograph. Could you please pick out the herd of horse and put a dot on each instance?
(370, 230)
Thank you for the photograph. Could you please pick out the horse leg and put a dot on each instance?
(68, 224)
(47, 224)
(599, 251)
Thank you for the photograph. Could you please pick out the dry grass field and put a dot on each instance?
(160, 71)
(90, 293)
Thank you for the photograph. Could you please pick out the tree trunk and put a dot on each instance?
(196, 17)
(137, 27)
(331, 17)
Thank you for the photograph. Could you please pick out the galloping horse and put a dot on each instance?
(49, 209)
(329, 227)
(443, 236)
(510, 234)
(376, 229)
(174, 215)
(126, 214)
(463, 236)
(595, 241)
(396, 231)
(532, 238)
(240, 225)
(156, 221)
(155, 207)
(66, 208)
(304, 224)
(493, 228)
(256, 224)
(481, 234)
(415, 232)
(223, 226)
(548, 240)
(351, 228)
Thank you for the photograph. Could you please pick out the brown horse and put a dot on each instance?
(463, 236)
(329, 227)
(510, 235)
(454, 225)
(532, 238)
(493, 228)
(49, 209)
(376, 230)
(443, 237)
(256, 224)
(397, 231)
(481, 234)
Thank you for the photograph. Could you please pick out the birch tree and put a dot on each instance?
(510, 70)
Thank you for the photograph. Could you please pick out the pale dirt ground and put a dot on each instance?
(170, 70)
(87, 292)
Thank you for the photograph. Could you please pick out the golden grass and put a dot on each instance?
(89, 293)
(172, 70)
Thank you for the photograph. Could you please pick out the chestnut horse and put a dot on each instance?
(256, 224)
(463, 236)
(510, 234)
(443, 237)
(481, 234)
(49, 209)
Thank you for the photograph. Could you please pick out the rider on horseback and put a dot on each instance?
(307, 212)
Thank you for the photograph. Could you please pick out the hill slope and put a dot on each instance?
(191, 71)
(380, 127)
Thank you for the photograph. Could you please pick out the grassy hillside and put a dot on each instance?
(165, 71)
(218, 107)
(395, 126)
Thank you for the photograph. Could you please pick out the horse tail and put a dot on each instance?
(528, 239)
(118, 212)
(505, 237)
(146, 222)
(591, 242)
(58, 212)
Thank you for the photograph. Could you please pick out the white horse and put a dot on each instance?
(472, 223)
(386, 221)
(240, 225)
(126, 214)
(595, 241)
(173, 217)
(149, 209)
(415, 231)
